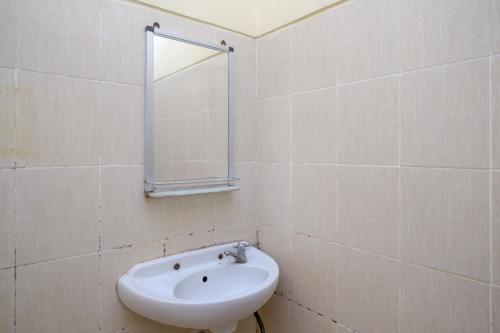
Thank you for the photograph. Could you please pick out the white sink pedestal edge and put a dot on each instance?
(227, 329)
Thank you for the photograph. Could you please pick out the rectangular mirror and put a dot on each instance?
(188, 120)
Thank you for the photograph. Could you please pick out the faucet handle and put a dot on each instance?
(242, 244)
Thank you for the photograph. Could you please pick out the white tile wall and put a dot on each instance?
(7, 117)
(369, 208)
(328, 175)
(304, 320)
(438, 32)
(113, 315)
(277, 314)
(314, 263)
(273, 129)
(433, 301)
(369, 39)
(495, 102)
(314, 126)
(314, 200)
(314, 39)
(7, 217)
(7, 297)
(368, 291)
(57, 120)
(73, 216)
(274, 64)
(369, 122)
(393, 132)
(273, 194)
(8, 39)
(446, 220)
(495, 309)
(495, 228)
(58, 296)
(445, 116)
(56, 213)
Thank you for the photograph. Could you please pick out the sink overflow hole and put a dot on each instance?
(205, 279)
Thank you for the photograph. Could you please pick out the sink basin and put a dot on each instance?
(201, 289)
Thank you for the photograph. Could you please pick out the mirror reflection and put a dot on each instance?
(190, 111)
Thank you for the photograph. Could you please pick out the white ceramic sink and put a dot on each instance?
(205, 292)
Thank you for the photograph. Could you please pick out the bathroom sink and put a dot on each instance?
(200, 289)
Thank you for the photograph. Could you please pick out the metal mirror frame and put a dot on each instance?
(154, 188)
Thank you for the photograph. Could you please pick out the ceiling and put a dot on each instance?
(250, 17)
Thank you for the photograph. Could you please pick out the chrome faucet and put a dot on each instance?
(239, 256)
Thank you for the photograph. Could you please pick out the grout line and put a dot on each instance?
(69, 76)
(337, 213)
(400, 190)
(72, 166)
(490, 197)
(379, 166)
(15, 194)
(380, 255)
(385, 76)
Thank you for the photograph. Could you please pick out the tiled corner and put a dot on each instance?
(305, 320)
(113, 315)
(8, 117)
(57, 120)
(369, 208)
(7, 216)
(278, 244)
(368, 291)
(369, 39)
(314, 200)
(245, 53)
(439, 32)
(276, 315)
(58, 296)
(56, 213)
(318, 256)
(274, 197)
(495, 104)
(122, 126)
(369, 122)
(445, 116)
(7, 297)
(8, 33)
(273, 129)
(314, 126)
(495, 250)
(237, 208)
(438, 302)
(128, 216)
(274, 64)
(446, 220)
(314, 38)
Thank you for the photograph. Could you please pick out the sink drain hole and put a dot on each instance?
(205, 279)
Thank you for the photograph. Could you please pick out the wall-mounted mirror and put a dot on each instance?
(188, 119)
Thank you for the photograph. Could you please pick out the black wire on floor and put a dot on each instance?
(259, 322)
